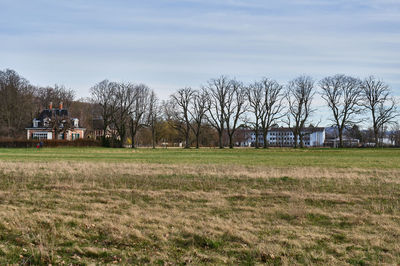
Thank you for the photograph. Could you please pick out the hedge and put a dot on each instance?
(14, 143)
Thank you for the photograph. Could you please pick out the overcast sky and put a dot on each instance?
(171, 44)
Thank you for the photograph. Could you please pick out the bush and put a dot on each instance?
(15, 143)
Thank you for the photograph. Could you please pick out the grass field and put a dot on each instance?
(174, 206)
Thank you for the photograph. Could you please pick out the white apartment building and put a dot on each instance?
(283, 137)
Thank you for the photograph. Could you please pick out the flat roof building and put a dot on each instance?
(283, 137)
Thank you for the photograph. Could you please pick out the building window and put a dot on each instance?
(39, 135)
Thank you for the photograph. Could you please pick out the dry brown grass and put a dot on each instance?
(74, 212)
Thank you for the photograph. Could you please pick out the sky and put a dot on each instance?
(172, 44)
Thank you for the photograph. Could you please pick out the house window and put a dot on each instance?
(39, 135)
(75, 136)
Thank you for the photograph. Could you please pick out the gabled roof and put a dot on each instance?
(53, 113)
(50, 112)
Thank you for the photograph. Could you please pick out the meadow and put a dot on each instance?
(207, 206)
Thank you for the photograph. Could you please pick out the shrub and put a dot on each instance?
(17, 143)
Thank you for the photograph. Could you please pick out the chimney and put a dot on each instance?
(61, 105)
(51, 105)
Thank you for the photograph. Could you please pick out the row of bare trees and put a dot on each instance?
(126, 107)
(223, 104)
(348, 98)
(226, 104)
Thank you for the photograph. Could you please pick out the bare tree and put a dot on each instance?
(343, 96)
(236, 105)
(219, 90)
(171, 114)
(55, 94)
(198, 112)
(138, 111)
(354, 132)
(102, 95)
(153, 115)
(254, 95)
(299, 96)
(16, 103)
(182, 99)
(380, 103)
(271, 106)
(122, 101)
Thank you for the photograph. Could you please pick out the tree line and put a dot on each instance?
(217, 110)
(21, 101)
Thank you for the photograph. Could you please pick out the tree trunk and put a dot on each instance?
(133, 133)
(295, 139)
(197, 140)
(231, 141)
(103, 141)
(221, 146)
(340, 138)
(187, 138)
(256, 143)
(376, 135)
(133, 141)
(103, 138)
(121, 143)
(301, 141)
(265, 138)
(153, 133)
